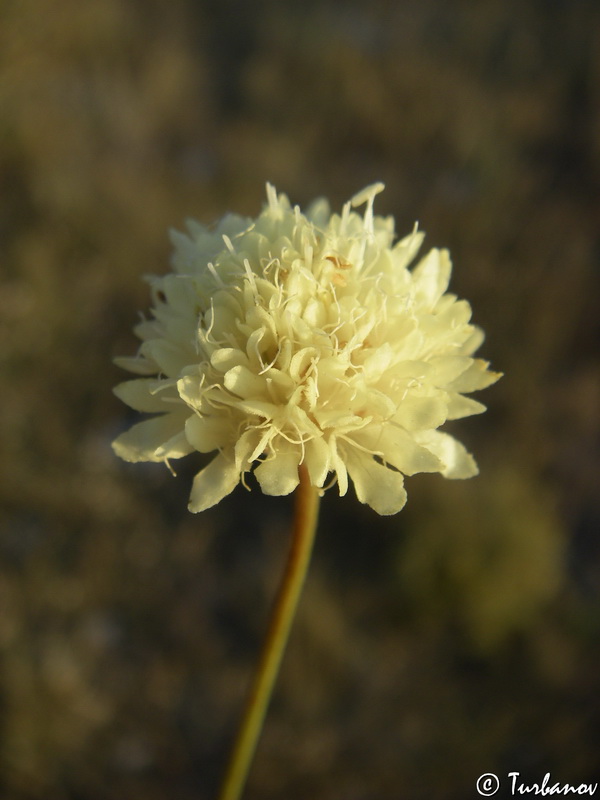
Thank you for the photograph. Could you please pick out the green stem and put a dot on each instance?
(305, 525)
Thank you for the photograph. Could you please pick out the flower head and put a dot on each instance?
(305, 339)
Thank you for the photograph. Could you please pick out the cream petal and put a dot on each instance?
(177, 447)
(225, 358)
(316, 460)
(279, 475)
(279, 380)
(439, 325)
(337, 418)
(258, 322)
(142, 395)
(420, 413)
(407, 248)
(377, 486)
(458, 463)
(224, 301)
(141, 442)
(260, 408)
(213, 483)
(319, 212)
(315, 313)
(301, 361)
(171, 358)
(473, 342)
(445, 303)
(338, 466)
(460, 406)
(375, 403)
(431, 276)
(136, 364)
(251, 445)
(377, 362)
(411, 370)
(299, 419)
(191, 388)
(448, 368)
(148, 329)
(455, 315)
(398, 448)
(311, 392)
(410, 345)
(244, 447)
(180, 295)
(186, 252)
(474, 378)
(244, 383)
(231, 225)
(206, 433)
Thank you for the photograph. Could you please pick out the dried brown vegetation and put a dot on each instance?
(458, 638)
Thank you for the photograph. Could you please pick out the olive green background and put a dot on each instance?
(461, 636)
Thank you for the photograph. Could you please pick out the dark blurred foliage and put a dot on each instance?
(461, 636)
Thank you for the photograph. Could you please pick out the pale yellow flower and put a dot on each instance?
(305, 338)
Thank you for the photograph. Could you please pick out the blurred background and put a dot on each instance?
(461, 636)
